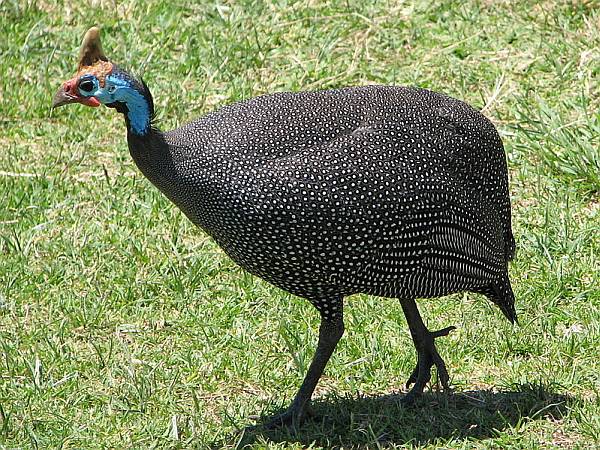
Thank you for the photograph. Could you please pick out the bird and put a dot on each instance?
(391, 191)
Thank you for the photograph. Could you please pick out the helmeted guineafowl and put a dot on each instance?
(391, 191)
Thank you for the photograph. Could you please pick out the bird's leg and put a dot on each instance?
(427, 354)
(330, 332)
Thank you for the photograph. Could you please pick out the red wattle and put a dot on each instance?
(90, 101)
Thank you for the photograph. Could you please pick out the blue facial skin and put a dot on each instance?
(118, 87)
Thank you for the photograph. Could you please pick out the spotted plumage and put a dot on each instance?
(391, 191)
(385, 190)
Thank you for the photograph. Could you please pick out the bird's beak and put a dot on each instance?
(62, 97)
(68, 94)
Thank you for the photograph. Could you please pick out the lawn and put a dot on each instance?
(124, 326)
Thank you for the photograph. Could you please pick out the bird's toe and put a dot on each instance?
(413, 377)
(293, 417)
(428, 356)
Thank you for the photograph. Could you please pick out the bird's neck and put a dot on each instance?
(156, 160)
(152, 155)
(147, 144)
(135, 103)
(138, 116)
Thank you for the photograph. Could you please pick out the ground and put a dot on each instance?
(123, 326)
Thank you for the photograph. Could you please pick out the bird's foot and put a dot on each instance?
(293, 417)
(428, 356)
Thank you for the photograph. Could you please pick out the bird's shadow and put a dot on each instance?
(378, 421)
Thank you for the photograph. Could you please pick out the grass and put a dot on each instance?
(123, 326)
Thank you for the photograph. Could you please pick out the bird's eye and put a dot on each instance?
(86, 86)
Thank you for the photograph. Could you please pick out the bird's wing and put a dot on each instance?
(437, 246)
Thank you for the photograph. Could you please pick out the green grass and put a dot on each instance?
(123, 326)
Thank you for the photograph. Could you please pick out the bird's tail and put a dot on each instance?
(502, 295)
(510, 246)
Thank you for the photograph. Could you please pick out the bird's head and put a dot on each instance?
(99, 81)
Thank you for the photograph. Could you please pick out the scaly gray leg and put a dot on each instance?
(428, 355)
(330, 332)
